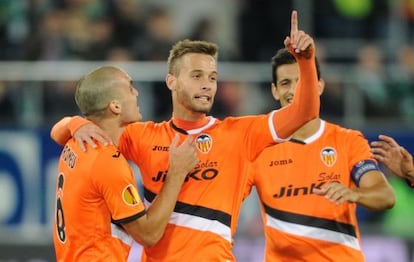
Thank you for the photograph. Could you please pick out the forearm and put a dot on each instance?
(306, 102)
(378, 197)
(62, 131)
(159, 213)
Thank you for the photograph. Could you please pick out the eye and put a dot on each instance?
(283, 83)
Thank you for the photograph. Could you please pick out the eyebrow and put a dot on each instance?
(200, 71)
(284, 80)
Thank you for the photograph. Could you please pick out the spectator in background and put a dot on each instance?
(237, 98)
(204, 30)
(157, 38)
(254, 15)
(101, 39)
(119, 54)
(406, 9)
(8, 112)
(58, 99)
(47, 40)
(402, 83)
(370, 79)
(14, 28)
(154, 45)
(362, 19)
(332, 105)
(128, 20)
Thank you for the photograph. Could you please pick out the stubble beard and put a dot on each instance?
(192, 105)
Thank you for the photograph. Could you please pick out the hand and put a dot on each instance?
(88, 134)
(395, 157)
(183, 158)
(337, 193)
(299, 43)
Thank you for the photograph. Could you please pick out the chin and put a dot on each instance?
(205, 110)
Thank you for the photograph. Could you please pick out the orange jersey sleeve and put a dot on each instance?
(63, 130)
(299, 224)
(306, 102)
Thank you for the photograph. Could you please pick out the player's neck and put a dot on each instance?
(112, 129)
(307, 130)
(190, 124)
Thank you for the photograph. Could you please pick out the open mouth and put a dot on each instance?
(203, 98)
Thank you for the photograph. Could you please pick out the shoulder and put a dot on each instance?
(243, 120)
(109, 156)
(343, 131)
(147, 125)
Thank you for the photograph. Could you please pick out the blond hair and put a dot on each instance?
(188, 46)
(96, 89)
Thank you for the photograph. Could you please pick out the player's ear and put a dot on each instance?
(321, 86)
(171, 81)
(275, 92)
(115, 107)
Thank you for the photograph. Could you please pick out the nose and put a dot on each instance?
(208, 84)
(292, 87)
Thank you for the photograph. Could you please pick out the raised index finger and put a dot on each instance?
(294, 23)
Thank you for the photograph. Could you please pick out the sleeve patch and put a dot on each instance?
(130, 195)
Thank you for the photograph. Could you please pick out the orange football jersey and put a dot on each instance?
(300, 225)
(205, 216)
(95, 192)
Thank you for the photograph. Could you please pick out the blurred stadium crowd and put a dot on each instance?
(372, 39)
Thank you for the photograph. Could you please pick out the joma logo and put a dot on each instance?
(280, 162)
(160, 148)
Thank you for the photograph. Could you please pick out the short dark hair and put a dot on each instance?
(284, 57)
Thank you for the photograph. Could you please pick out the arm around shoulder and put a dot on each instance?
(63, 130)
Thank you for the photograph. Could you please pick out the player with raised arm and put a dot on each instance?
(309, 187)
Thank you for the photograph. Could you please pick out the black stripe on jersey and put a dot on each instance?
(176, 128)
(294, 140)
(193, 210)
(311, 221)
(129, 219)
